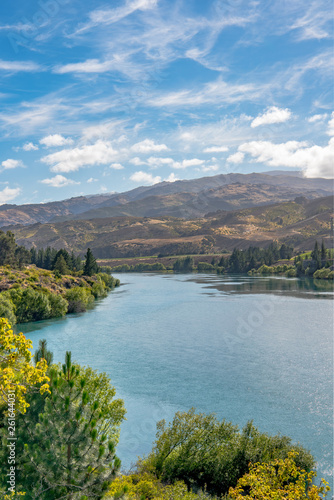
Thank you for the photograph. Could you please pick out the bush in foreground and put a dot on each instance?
(205, 452)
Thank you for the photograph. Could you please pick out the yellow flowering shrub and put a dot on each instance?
(16, 372)
(280, 479)
(146, 486)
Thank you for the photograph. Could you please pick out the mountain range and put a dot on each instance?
(185, 199)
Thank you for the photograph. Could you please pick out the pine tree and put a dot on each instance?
(323, 251)
(43, 353)
(61, 265)
(66, 442)
(90, 266)
(33, 254)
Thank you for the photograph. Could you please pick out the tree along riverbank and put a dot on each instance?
(274, 260)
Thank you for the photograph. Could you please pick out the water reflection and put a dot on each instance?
(294, 287)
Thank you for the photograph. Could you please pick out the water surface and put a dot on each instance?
(245, 348)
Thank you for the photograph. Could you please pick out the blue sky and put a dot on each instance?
(107, 96)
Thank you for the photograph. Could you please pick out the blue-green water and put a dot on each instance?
(242, 347)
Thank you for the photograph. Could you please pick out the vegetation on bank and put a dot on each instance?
(60, 287)
(274, 260)
(67, 429)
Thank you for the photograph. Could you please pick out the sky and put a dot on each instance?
(101, 97)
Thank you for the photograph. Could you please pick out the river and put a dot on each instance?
(257, 348)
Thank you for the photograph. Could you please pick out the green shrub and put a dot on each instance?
(58, 304)
(79, 299)
(205, 266)
(124, 268)
(31, 305)
(7, 308)
(322, 273)
(99, 290)
(205, 452)
(291, 273)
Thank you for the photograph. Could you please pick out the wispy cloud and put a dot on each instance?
(316, 23)
(111, 16)
(17, 66)
(58, 181)
(218, 92)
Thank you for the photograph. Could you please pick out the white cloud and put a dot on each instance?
(102, 130)
(315, 161)
(216, 92)
(210, 168)
(144, 178)
(188, 163)
(317, 118)
(69, 160)
(147, 146)
(111, 16)
(55, 140)
(216, 149)
(116, 166)
(9, 164)
(316, 22)
(236, 158)
(8, 194)
(272, 115)
(91, 179)
(29, 146)
(16, 66)
(58, 181)
(137, 161)
(159, 162)
(171, 178)
(330, 130)
(88, 66)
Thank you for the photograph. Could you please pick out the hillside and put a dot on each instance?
(186, 199)
(298, 223)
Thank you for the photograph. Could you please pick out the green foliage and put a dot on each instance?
(31, 305)
(147, 486)
(43, 353)
(79, 299)
(66, 442)
(7, 308)
(90, 266)
(61, 265)
(184, 265)
(140, 267)
(58, 304)
(109, 281)
(200, 450)
(205, 266)
(323, 274)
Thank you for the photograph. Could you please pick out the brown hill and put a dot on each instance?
(297, 222)
(186, 199)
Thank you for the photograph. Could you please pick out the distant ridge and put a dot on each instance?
(186, 198)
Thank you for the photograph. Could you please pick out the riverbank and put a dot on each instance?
(33, 294)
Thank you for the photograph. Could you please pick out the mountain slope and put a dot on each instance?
(187, 198)
(296, 222)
